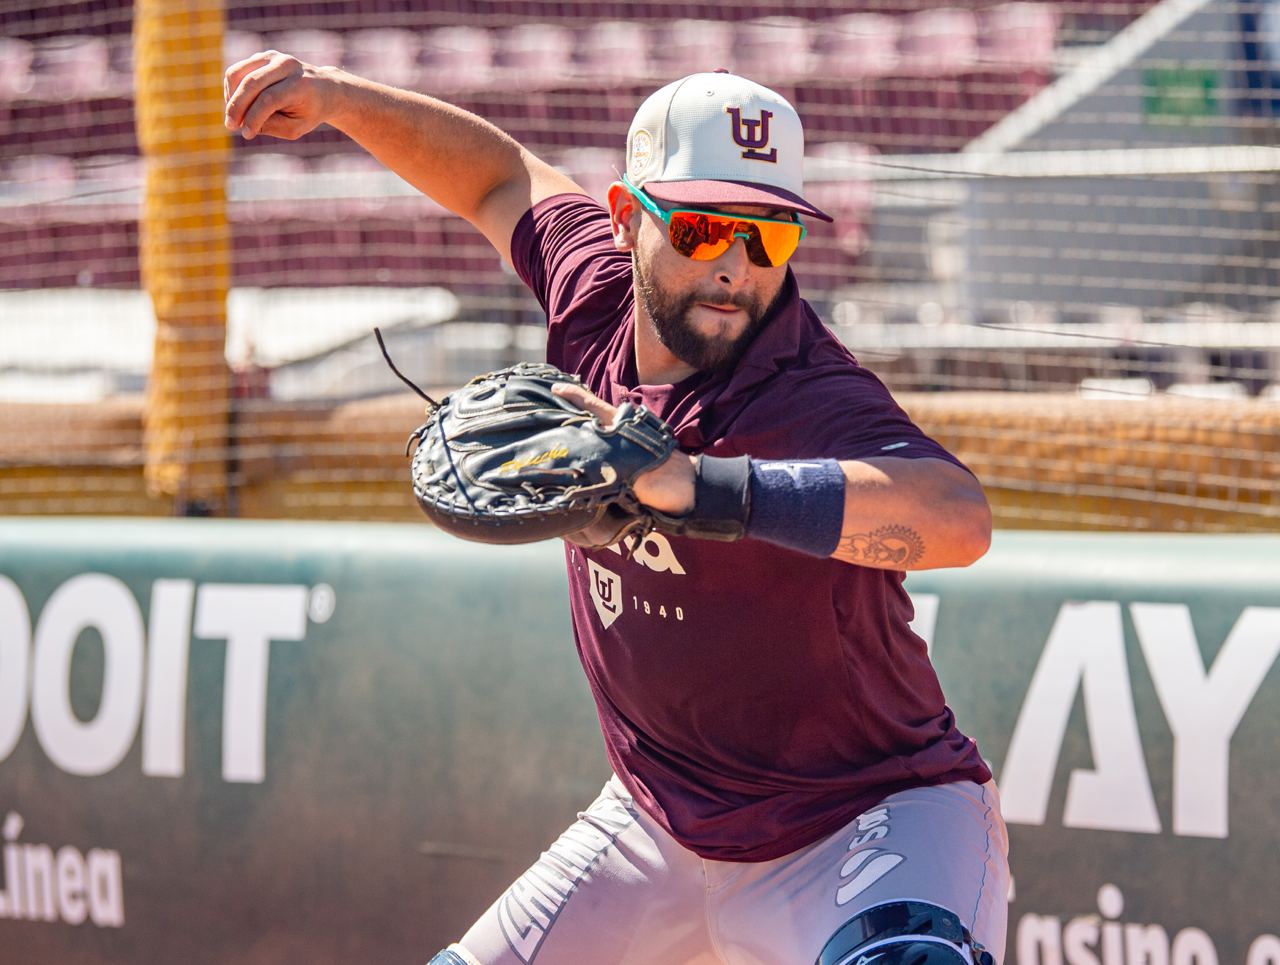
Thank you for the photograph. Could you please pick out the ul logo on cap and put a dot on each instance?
(753, 135)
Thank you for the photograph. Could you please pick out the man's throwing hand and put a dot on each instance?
(273, 93)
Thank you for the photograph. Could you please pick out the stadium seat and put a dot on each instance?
(238, 45)
(361, 183)
(320, 47)
(931, 104)
(71, 68)
(774, 50)
(1116, 389)
(1209, 390)
(685, 46)
(613, 52)
(593, 168)
(533, 56)
(38, 178)
(848, 198)
(389, 56)
(101, 175)
(941, 42)
(455, 60)
(270, 165)
(269, 179)
(347, 162)
(120, 64)
(1018, 36)
(857, 46)
(15, 68)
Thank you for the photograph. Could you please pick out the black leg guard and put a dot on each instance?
(904, 933)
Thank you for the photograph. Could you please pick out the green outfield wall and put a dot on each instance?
(336, 743)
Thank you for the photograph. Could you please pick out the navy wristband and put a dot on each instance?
(797, 503)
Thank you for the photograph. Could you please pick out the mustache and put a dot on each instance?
(718, 301)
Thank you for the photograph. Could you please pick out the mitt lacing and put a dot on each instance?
(432, 406)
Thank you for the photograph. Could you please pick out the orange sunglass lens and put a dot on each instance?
(699, 236)
(703, 237)
(778, 240)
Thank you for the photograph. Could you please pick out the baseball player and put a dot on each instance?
(789, 785)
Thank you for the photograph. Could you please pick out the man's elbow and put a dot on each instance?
(961, 517)
(970, 520)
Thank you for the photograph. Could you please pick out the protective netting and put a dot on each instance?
(1059, 220)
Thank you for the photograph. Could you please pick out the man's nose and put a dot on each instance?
(734, 265)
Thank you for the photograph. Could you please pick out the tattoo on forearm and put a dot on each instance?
(889, 546)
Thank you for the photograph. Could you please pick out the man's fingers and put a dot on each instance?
(285, 127)
(584, 399)
(576, 394)
(232, 76)
(255, 77)
(256, 118)
(250, 89)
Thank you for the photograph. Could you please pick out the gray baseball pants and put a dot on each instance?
(616, 888)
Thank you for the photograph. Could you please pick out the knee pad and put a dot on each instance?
(453, 955)
(904, 933)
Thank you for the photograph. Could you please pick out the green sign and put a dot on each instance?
(1180, 94)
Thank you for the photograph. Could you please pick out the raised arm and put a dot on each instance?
(454, 157)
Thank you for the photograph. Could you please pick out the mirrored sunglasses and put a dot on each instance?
(705, 235)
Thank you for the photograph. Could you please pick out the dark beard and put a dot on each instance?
(670, 316)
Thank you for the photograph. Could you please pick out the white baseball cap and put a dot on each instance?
(717, 138)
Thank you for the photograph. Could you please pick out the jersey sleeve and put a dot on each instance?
(847, 413)
(563, 250)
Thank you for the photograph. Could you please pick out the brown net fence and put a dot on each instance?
(1056, 234)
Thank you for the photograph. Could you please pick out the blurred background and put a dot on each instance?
(1056, 239)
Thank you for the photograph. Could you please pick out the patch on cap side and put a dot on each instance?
(641, 152)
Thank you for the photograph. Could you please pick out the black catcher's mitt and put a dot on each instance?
(504, 460)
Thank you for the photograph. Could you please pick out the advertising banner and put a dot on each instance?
(253, 743)
(1126, 692)
(278, 742)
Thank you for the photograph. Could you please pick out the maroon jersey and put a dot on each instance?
(753, 699)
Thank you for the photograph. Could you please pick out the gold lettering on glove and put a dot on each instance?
(515, 465)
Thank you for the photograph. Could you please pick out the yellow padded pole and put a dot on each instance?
(185, 247)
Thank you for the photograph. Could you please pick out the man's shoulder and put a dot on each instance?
(565, 230)
(569, 212)
(564, 253)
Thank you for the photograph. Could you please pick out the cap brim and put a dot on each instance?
(703, 193)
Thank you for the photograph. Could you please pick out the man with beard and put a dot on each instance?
(790, 786)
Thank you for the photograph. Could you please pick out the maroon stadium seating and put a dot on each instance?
(15, 68)
(456, 59)
(563, 77)
(684, 46)
(387, 54)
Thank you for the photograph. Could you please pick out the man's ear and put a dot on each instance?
(624, 215)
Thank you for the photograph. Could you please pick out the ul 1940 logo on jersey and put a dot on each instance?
(606, 592)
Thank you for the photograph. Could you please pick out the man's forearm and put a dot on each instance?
(894, 514)
(912, 514)
(451, 155)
